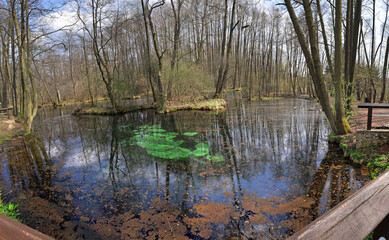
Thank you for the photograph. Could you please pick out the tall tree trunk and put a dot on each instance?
(177, 30)
(339, 109)
(383, 91)
(14, 87)
(312, 58)
(6, 71)
(326, 47)
(148, 58)
(158, 53)
(222, 52)
(87, 71)
(349, 80)
(223, 69)
(29, 96)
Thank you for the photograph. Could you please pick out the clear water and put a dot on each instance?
(261, 170)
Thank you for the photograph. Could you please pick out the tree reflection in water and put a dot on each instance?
(30, 166)
(274, 177)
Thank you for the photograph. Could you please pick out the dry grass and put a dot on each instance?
(9, 128)
(212, 105)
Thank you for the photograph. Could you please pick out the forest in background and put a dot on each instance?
(187, 50)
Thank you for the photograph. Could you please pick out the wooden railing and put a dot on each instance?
(356, 217)
(370, 107)
(7, 111)
(11, 229)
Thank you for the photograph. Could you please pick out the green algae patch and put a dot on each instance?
(163, 144)
(216, 158)
(202, 149)
(175, 153)
(190, 134)
(160, 143)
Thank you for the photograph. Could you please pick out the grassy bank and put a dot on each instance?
(210, 105)
(108, 111)
(171, 106)
(265, 98)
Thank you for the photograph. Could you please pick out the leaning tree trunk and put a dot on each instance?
(312, 57)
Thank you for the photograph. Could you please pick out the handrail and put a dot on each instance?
(7, 110)
(370, 107)
(355, 217)
(11, 229)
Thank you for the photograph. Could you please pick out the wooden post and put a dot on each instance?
(382, 230)
(8, 113)
(369, 116)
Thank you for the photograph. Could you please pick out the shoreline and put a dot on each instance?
(10, 129)
(204, 105)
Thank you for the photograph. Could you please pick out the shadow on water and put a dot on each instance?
(256, 170)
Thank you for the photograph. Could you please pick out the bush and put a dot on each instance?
(190, 82)
(10, 209)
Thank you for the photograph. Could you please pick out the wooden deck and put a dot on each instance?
(356, 217)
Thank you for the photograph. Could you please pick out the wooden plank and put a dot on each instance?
(354, 218)
(374, 105)
(11, 229)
